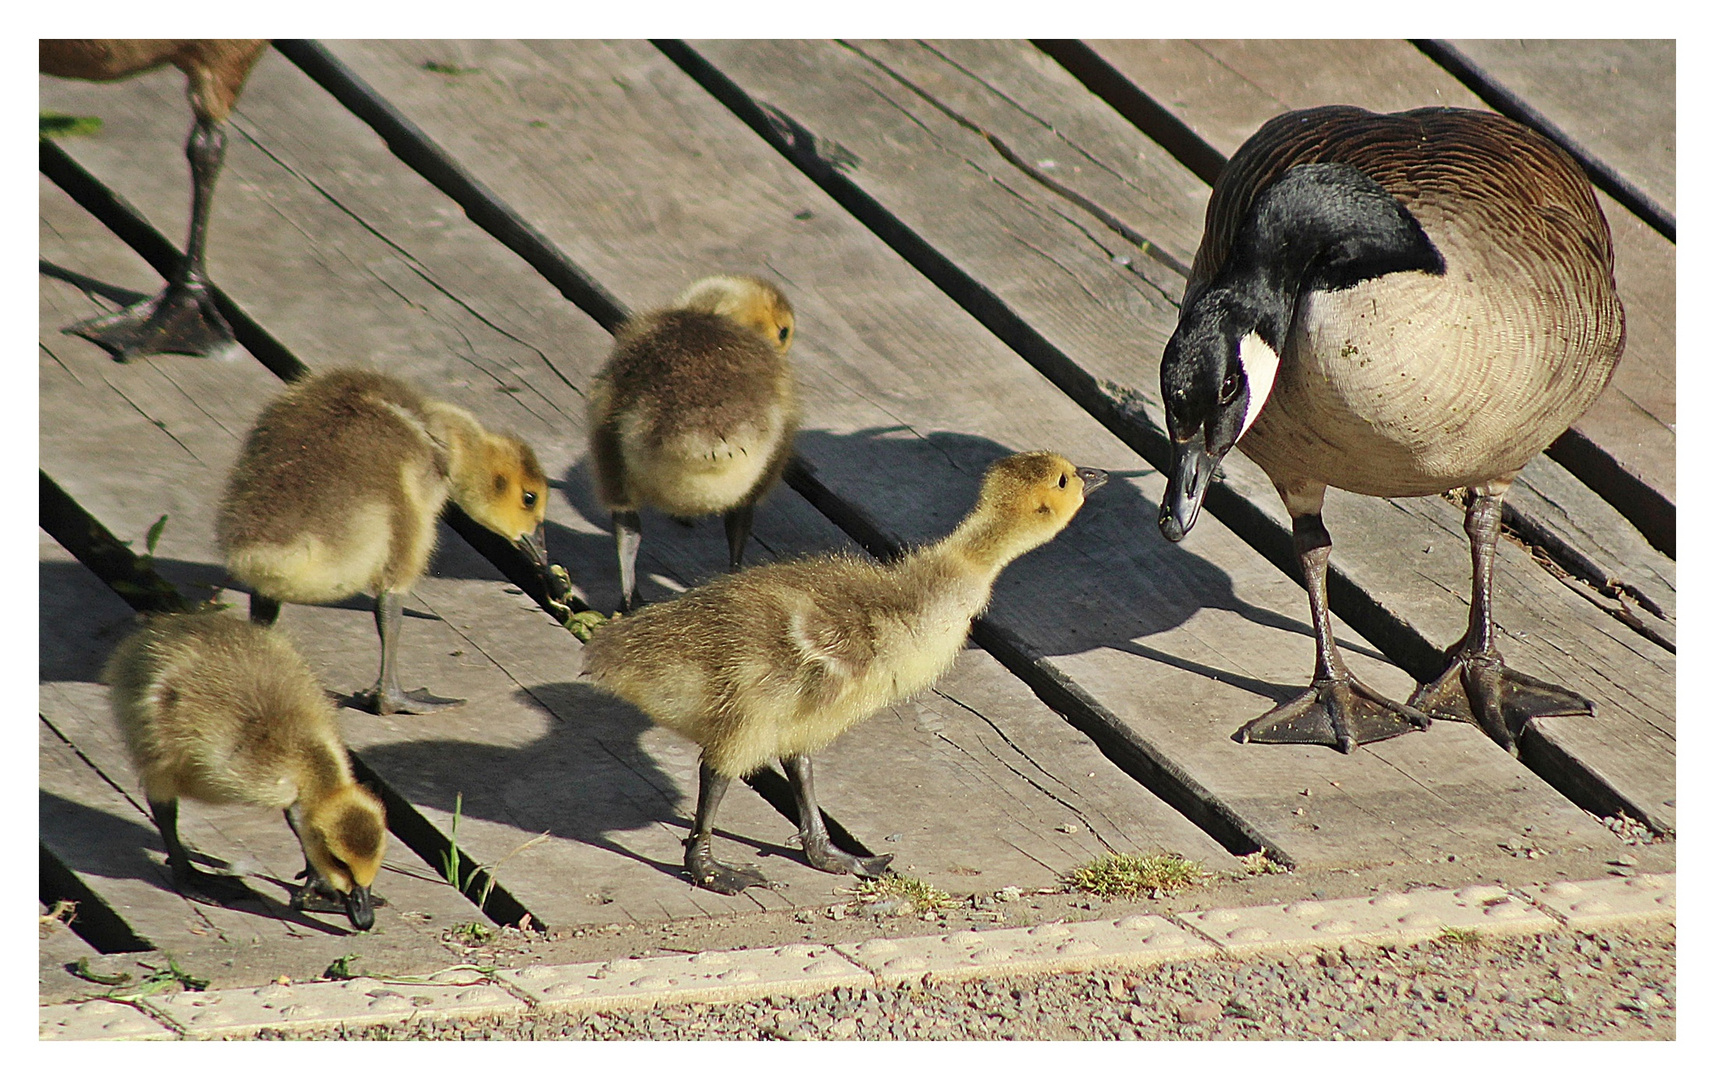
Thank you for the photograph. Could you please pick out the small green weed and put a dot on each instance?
(54, 125)
(1128, 875)
(442, 68)
(1460, 936)
(1257, 863)
(921, 895)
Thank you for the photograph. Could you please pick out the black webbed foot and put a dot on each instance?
(409, 702)
(706, 873)
(1342, 713)
(826, 857)
(1481, 690)
(216, 890)
(180, 319)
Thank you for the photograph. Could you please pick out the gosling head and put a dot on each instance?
(1322, 227)
(505, 491)
(1028, 498)
(748, 301)
(344, 836)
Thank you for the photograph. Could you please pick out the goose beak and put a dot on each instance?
(1189, 479)
(535, 545)
(359, 908)
(1092, 478)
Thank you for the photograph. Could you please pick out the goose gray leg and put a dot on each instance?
(738, 521)
(819, 849)
(385, 697)
(193, 884)
(1477, 687)
(700, 862)
(181, 318)
(1338, 710)
(627, 537)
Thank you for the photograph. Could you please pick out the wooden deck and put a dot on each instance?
(985, 243)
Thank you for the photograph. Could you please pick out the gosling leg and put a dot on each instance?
(264, 610)
(385, 697)
(1477, 687)
(1338, 710)
(738, 521)
(699, 859)
(193, 884)
(627, 538)
(819, 849)
(182, 317)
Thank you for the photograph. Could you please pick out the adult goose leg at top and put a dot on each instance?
(182, 317)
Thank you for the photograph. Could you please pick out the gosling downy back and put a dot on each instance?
(697, 405)
(339, 483)
(777, 660)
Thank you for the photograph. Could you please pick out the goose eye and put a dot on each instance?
(785, 332)
(1229, 388)
(1062, 479)
(529, 499)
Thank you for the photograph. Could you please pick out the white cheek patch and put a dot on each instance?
(1260, 364)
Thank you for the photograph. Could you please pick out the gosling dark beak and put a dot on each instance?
(1186, 484)
(1092, 478)
(359, 908)
(535, 545)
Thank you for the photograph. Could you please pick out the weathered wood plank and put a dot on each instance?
(905, 145)
(886, 363)
(1613, 97)
(1224, 90)
(587, 769)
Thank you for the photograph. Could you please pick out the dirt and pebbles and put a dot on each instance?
(1617, 984)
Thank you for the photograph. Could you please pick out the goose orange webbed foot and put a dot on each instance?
(1481, 690)
(1340, 712)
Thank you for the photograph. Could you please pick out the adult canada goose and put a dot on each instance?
(182, 317)
(336, 492)
(223, 711)
(1396, 305)
(776, 661)
(694, 413)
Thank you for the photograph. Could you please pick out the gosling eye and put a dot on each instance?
(1062, 479)
(529, 499)
(785, 332)
(1230, 387)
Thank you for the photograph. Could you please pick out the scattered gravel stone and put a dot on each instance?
(1615, 984)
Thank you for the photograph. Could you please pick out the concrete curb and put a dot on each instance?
(806, 969)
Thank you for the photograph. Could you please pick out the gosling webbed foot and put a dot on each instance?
(1342, 713)
(707, 873)
(182, 318)
(416, 702)
(829, 859)
(1481, 690)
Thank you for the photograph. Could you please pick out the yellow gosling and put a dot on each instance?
(224, 711)
(337, 490)
(776, 661)
(694, 413)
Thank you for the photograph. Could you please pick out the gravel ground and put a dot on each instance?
(1618, 984)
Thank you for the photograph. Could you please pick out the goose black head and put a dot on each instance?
(1319, 227)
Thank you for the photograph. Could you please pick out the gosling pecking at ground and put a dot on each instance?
(224, 711)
